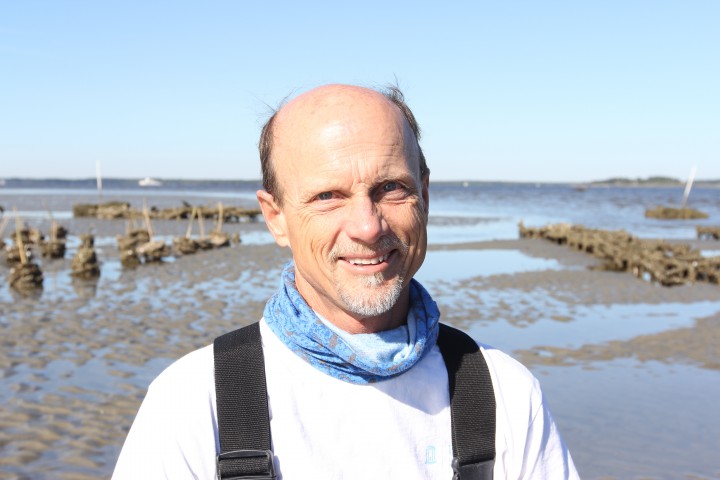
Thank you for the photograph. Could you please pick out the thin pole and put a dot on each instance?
(99, 178)
(688, 186)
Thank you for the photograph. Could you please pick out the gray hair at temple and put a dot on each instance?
(391, 92)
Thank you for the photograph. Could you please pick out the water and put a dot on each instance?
(628, 420)
(469, 263)
(623, 418)
(477, 212)
(492, 211)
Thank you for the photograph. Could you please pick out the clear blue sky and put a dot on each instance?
(514, 90)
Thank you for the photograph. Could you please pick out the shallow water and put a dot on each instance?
(574, 326)
(478, 211)
(631, 420)
(452, 265)
(497, 208)
(565, 325)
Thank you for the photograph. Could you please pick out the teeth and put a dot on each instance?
(368, 261)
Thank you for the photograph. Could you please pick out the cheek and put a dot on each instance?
(314, 236)
(411, 221)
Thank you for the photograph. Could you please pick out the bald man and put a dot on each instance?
(357, 387)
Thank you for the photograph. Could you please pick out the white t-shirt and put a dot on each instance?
(325, 428)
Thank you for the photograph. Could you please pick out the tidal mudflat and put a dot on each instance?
(631, 370)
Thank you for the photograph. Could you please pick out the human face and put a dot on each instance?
(354, 213)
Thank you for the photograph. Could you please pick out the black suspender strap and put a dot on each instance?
(244, 420)
(242, 407)
(472, 405)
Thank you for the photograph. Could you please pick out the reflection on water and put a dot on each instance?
(454, 265)
(85, 288)
(262, 237)
(503, 228)
(630, 420)
(39, 214)
(573, 326)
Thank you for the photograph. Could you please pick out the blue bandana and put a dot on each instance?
(361, 359)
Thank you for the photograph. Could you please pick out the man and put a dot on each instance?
(357, 387)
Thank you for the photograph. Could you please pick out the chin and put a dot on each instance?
(373, 299)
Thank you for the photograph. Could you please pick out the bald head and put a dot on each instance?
(326, 108)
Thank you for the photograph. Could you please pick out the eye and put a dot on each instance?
(325, 196)
(390, 186)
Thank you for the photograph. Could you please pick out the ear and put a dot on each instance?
(274, 217)
(426, 193)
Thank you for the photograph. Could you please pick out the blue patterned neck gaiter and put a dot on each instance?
(360, 359)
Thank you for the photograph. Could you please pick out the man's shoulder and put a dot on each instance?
(517, 392)
(193, 370)
(173, 435)
(502, 359)
(508, 372)
(187, 372)
(500, 362)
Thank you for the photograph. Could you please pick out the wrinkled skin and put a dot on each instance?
(354, 206)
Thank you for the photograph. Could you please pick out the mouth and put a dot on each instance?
(362, 259)
(367, 261)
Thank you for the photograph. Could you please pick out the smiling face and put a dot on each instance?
(354, 206)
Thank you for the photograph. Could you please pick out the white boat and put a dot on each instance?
(149, 182)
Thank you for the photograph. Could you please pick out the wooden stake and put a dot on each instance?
(148, 225)
(3, 224)
(18, 239)
(53, 226)
(221, 216)
(192, 217)
(201, 223)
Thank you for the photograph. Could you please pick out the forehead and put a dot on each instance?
(323, 129)
(326, 109)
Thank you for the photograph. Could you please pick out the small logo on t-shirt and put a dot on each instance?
(430, 456)
(443, 457)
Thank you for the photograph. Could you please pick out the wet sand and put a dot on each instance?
(75, 363)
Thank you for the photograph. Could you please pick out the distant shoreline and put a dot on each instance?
(128, 184)
(209, 184)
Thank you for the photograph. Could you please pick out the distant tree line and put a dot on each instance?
(639, 181)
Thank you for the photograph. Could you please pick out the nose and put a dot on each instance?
(364, 222)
